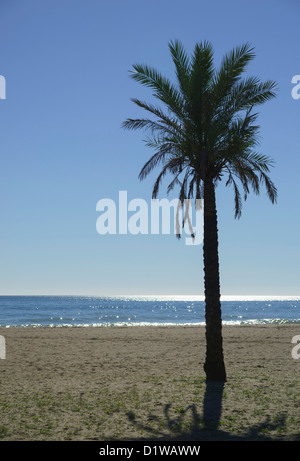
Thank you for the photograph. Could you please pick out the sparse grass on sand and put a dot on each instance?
(147, 383)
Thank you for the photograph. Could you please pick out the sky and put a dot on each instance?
(66, 66)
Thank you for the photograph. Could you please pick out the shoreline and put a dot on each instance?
(254, 323)
(130, 383)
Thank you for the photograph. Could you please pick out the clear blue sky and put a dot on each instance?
(66, 66)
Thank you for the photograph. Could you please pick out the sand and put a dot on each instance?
(148, 383)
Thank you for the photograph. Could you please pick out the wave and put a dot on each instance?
(157, 324)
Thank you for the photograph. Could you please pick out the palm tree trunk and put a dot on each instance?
(214, 363)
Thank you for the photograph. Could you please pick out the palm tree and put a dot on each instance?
(206, 131)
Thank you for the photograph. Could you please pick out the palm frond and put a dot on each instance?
(249, 92)
(182, 66)
(170, 124)
(174, 166)
(202, 68)
(270, 187)
(233, 65)
(165, 91)
(163, 149)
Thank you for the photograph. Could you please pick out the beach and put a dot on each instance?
(147, 383)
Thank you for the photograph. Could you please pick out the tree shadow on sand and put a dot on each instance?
(202, 427)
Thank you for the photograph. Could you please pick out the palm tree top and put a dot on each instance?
(204, 127)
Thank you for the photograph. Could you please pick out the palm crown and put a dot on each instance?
(208, 128)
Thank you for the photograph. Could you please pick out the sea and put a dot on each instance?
(85, 311)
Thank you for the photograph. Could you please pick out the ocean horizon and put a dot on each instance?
(142, 310)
